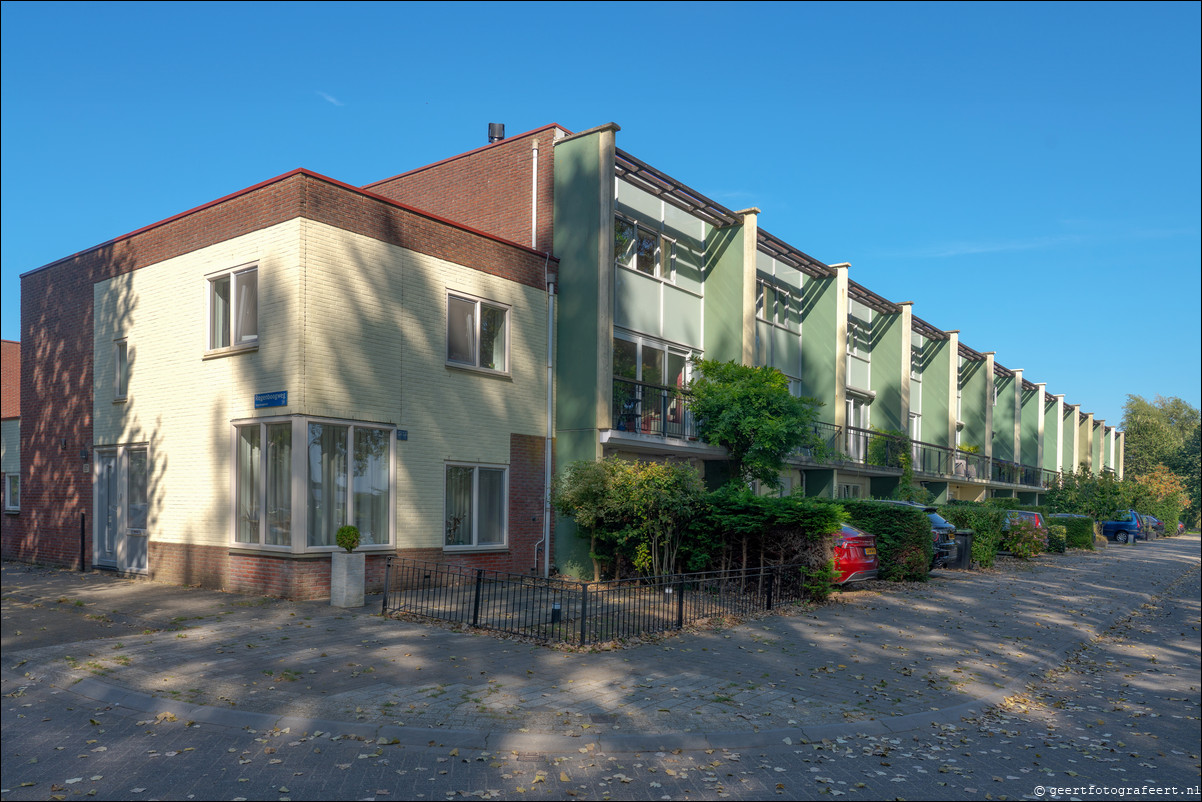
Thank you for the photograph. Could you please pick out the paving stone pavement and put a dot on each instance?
(880, 659)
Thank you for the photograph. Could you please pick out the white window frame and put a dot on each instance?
(11, 479)
(299, 524)
(479, 303)
(665, 250)
(120, 370)
(239, 340)
(474, 545)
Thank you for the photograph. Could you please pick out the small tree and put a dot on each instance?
(632, 512)
(751, 413)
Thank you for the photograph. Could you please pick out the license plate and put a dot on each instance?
(871, 552)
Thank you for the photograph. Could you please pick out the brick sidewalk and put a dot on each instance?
(889, 658)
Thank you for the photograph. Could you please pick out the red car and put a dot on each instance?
(855, 555)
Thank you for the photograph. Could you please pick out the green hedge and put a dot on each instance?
(763, 530)
(985, 521)
(1078, 531)
(903, 538)
(1057, 536)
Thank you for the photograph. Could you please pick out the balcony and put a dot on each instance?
(652, 409)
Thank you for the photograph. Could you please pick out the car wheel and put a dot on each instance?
(1120, 537)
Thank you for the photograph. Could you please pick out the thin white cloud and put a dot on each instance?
(330, 98)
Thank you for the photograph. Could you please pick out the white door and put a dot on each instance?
(107, 525)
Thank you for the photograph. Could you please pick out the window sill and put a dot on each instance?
(496, 374)
(10, 511)
(120, 400)
(475, 549)
(286, 552)
(218, 353)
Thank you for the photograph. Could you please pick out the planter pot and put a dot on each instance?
(346, 578)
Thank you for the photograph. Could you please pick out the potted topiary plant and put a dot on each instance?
(347, 569)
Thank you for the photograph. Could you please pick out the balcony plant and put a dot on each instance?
(347, 569)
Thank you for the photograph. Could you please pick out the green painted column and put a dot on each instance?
(943, 400)
(1053, 429)
(976, 404)
(729, 302)
(890, 377)
(1085, 442)
(1097, 435)
(824, 343)
(1005, 428)
(1119, 454)
(584, 242)
(1031, 427)
(1069, 460)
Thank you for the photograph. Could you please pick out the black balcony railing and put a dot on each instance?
(653, 409)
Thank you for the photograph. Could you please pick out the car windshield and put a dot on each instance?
(939, 522)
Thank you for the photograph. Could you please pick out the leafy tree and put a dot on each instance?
(634, 513)
(750, 412)
(1150, 438)
(1186, 463)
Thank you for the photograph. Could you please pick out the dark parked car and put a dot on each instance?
(1156, 525)
(855, 555)
(1034, 517)
(1124, 526)
(943, 534)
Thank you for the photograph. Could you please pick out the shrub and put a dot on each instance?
(1023, 538)
(986, 523)
(1078, 532)
(757, 531)
(347, 537)
(1057, 538)
(903, 538)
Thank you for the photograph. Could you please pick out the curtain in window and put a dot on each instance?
(279, 484)
(461, 330)
(248, 306)
(459, 506)
(492, 337)
(219, 314)
(248, 485)
(490, 525)
(327, 482)
(370, 485)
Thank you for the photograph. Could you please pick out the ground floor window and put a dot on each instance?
(476, 506)
(345, 470)
(12, 492)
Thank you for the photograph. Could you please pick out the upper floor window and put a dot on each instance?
(643, 249)
(477, 333)
(234, 309)
(121, 370)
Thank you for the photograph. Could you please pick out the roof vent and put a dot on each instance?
(496, 132)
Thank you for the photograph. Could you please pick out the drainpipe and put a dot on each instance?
(550, 427)
(534, 197)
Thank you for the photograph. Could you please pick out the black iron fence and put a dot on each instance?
(581, 612)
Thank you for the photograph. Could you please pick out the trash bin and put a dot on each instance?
(964, 544)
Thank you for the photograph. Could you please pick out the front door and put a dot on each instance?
(108, 509)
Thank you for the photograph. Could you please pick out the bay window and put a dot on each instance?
(345, 477)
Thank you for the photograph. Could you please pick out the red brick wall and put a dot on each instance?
(489, 188)
(10, 379)
(57, 334)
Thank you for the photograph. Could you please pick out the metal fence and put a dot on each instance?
(581, 612)
(644, 408)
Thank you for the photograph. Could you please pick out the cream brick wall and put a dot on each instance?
(179, 403)
(351, 327)
(375, 340)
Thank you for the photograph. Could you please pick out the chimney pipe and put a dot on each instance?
(496, 132)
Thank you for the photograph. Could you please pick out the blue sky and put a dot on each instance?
(1026, 173)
